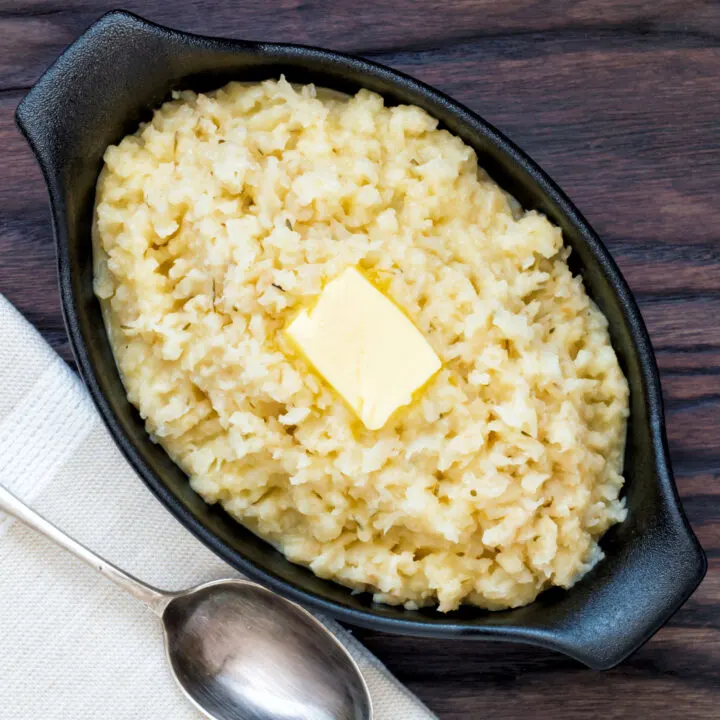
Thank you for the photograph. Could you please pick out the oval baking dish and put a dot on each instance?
(104, 85)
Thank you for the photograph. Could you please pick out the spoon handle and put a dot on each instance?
(152, 597)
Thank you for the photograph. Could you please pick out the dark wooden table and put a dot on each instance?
(619, 100)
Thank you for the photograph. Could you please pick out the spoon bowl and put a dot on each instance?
(238, 650)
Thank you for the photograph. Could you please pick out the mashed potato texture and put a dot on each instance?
(227, 213)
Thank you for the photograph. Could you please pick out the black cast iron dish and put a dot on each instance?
(104, 85)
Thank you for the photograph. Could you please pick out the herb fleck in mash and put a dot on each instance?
(228, 213)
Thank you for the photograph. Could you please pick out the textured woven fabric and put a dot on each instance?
(72, 644)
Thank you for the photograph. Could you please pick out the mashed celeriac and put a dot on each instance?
(223, 217)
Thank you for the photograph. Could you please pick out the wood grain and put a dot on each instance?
(618, 101)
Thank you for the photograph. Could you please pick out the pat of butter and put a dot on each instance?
(365, 347)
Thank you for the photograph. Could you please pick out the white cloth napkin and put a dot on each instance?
(72, 644)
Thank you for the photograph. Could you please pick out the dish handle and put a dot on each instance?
(107, 82)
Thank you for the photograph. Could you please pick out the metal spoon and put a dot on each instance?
(237, 650)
